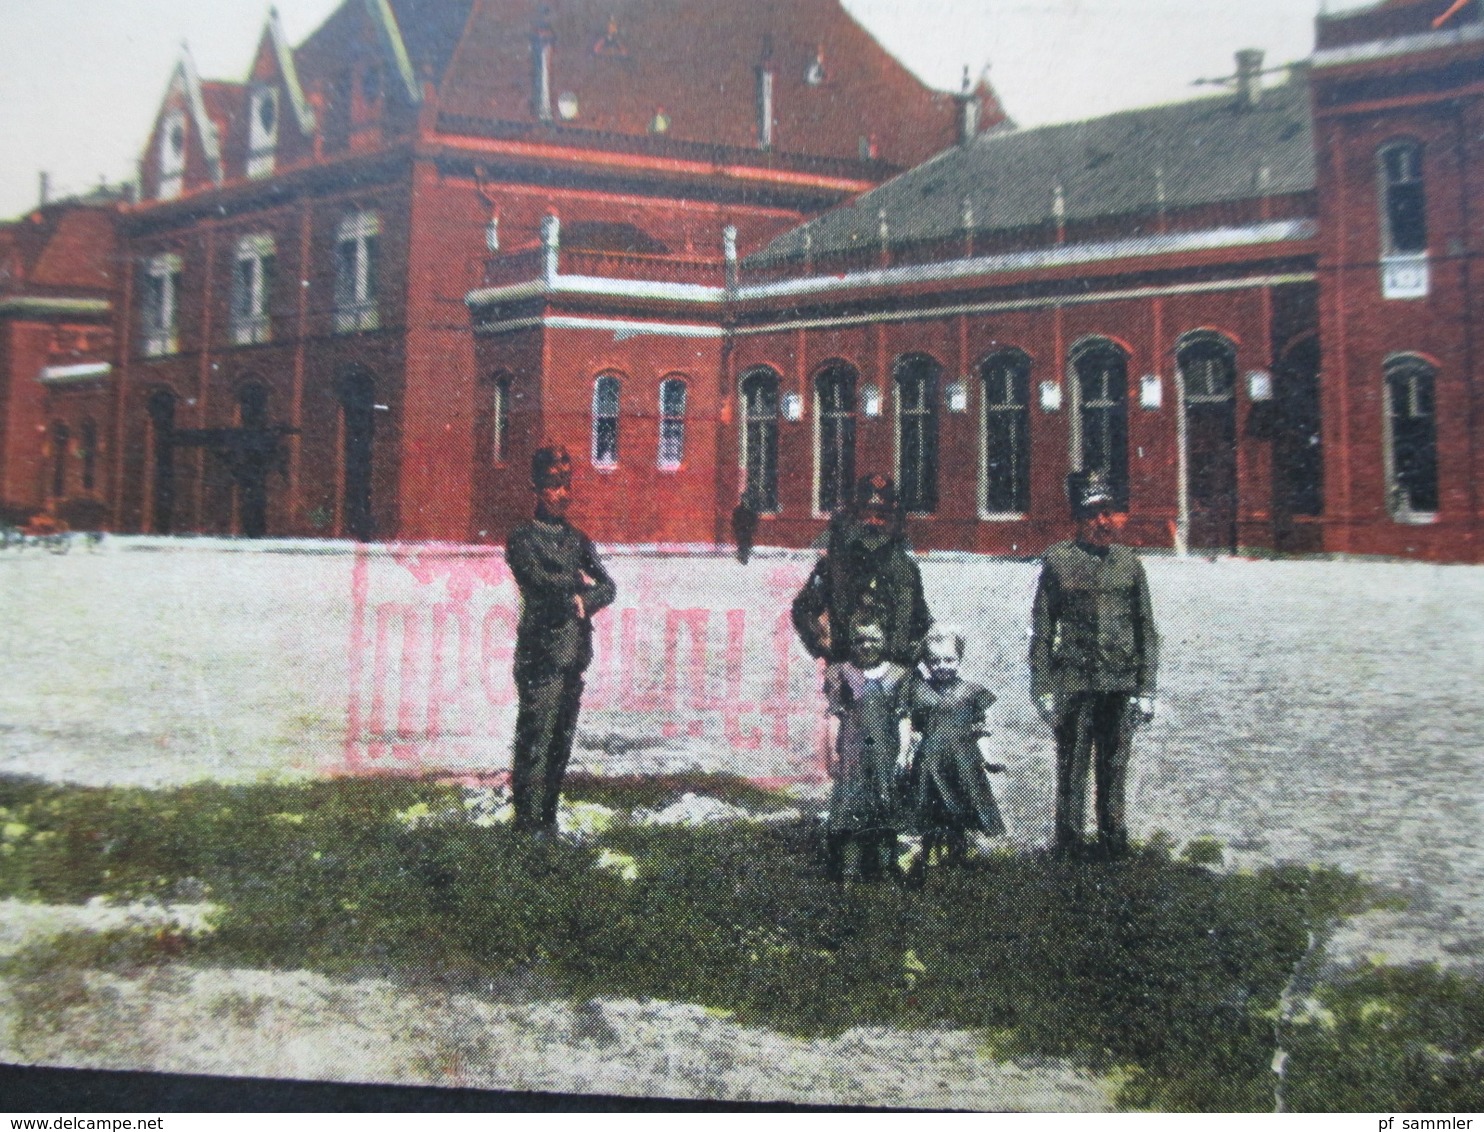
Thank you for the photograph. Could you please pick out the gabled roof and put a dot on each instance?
(430, 31)
(697, 60)
(288, 72)
(390, 33)
(190, 88)
(1202, 152)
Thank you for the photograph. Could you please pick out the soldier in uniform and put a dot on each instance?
(1094, 654)
(562, 584)
(866, 568)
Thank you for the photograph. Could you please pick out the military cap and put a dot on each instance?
(551, 466)
(875, 491)
(1087, 492)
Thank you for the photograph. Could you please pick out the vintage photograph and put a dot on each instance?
(912, 554)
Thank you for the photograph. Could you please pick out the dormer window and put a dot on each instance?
(357, 248)
(159, 306)
(252, 290)
(172, 155)
(262, 138)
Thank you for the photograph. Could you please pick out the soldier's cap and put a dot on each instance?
(551, 466)
(1088, 493)
(875, 491)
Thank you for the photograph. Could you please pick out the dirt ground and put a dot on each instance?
(1323, 712)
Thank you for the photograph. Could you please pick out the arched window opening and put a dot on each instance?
(672, 424)
(1007, 433)
(61, 437)
(161, 410)
(1100, 419)
(1208, 382)
(89, 441)
(917, 432)
(760, 439)
(606, 392)
(1404, 199)
(358, 432)
(1412, 438)
(835, 394)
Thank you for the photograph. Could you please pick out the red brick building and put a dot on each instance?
(724, 248)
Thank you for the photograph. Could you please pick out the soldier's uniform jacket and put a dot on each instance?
(852, 578)
(548, 560)
(1093, 625)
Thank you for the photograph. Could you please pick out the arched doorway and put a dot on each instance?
(357, 431)
(1208, 386)
(161, 410)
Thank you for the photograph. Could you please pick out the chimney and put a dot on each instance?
(46, 188)
(765, 106)
(968, 112)
(1249, 78)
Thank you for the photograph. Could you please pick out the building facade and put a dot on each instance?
(739, 251)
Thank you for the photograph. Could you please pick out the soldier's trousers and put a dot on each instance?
(1093, 734)
(545, 726)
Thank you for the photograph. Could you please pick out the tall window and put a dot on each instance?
(760, 439)
(1412, 437)
(499, 417)
(672, 423)
(159, 307)
(252, 290)
(1100, 419)
(172, 155)
(605, 421)
(835, 395)
(917, 432)
(357, 253)
(1404, 203)
(89, 441)
(61, 437)
(262, 131)
(1007, 433)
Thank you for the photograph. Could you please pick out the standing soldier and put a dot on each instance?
(1094, 652)
(866, 569)
(562, 584)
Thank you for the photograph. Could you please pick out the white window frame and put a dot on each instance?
(172, 158)
(262, 143)
(994, 407)
(160, 306)
(251, 322)
(760, 377)
(671, 455)
(355, 298)
(1398, 503)
(603, 460)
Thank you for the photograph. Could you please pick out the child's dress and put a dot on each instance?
(865, 798)
(951, 792)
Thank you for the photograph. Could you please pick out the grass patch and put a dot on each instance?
(1159, 971)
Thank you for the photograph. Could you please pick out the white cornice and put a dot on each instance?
(1400, 45)
(69, 375)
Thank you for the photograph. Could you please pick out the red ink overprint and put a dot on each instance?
(431, 643)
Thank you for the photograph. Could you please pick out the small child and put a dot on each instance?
(867, 706)
(950, 793)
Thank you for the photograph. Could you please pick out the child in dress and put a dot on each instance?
(868, 730)
(950, 792)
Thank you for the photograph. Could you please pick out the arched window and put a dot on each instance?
(161, 410)
(672, 423)
(1403, 199)
(1007, 432)
(1412, 437)
(835, 395)
(61, 437)
(760, 439)
(89, 441)
(1207, 364)
(357, 259)
(498, 403)
(917, 432)
(172, 156)
(605, 421)
(1100, 413)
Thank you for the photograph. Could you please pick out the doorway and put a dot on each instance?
(1208, 377)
